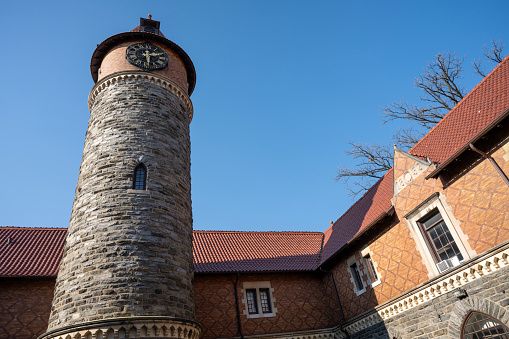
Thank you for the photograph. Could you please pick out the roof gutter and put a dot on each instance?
(446, 163)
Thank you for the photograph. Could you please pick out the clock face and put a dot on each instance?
(146, 56)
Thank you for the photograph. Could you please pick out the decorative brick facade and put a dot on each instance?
(301, 299)
(25, 305)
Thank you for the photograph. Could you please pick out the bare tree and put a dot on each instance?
(491, 54)
(374, 161)
(441, 91)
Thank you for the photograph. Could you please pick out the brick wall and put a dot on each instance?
(301, 300)
(25, 306)
(477, 199)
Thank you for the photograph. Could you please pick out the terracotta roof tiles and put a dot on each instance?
(30, 252)
(487, 101)
(38, 251)
(225, 251)
(374, 204)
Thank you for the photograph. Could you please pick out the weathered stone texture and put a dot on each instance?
(129, 252)
(443, 317)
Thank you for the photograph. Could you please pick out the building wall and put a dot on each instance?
(25, 305)
(443, 317)
(477, 202)
(301, 301)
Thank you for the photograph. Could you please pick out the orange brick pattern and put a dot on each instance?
(116, 61)
(351, 303)
(25, 305)
(480, 202)
(301, 301)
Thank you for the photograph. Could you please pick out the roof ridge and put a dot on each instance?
(33, 228)
(278, 232)
(358, 201)
(455, 108)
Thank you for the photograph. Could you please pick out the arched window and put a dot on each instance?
(140, 177)
(479, 325)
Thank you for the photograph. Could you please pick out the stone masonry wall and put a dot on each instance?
(442, 318)
(129, 252)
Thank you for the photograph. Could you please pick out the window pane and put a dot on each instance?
(357, 277)
(265, 300)
(371, 268)
(429, 222)
(480, 325)
(252, 304)
(438, 232)
(140, 177)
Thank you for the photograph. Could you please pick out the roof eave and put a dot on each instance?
(389, 212)
(447, 162)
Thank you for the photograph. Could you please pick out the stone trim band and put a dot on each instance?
(127, 328)
(157, 79)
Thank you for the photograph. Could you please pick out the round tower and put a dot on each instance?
(127, 267)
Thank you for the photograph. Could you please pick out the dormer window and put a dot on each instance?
(140, 177)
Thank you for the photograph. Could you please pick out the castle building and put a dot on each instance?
(423, 254)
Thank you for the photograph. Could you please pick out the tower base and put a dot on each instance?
(128, 328)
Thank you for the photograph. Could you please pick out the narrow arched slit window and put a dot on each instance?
(140, 177)
(480, 325)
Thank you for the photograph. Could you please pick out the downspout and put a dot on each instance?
(339, 302)
(237, 306)
(493, 162)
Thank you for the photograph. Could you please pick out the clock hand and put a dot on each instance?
(146, 54)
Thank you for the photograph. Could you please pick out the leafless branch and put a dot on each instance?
(373, 161)
(441, 92)
(406, 138)
(491, 54)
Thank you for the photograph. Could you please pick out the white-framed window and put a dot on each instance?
(370, 267)
(258, 299)
(355, 276)
(438, 235)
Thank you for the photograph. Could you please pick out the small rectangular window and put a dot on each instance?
(265, 300)
(357, 276)
(258, 300)
(438, 237)
(371, 268)
(252, 303)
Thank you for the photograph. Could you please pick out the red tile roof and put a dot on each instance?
(30, 252)
(368, 209)
(38, 251)
(487, 101)
(223, 251)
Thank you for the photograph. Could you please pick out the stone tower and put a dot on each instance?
(127, 268)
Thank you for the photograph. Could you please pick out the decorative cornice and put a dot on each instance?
(135, 327)
(464, 274)
(327, 333)
(123, 76)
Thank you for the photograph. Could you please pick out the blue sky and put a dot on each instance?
(282, 86)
